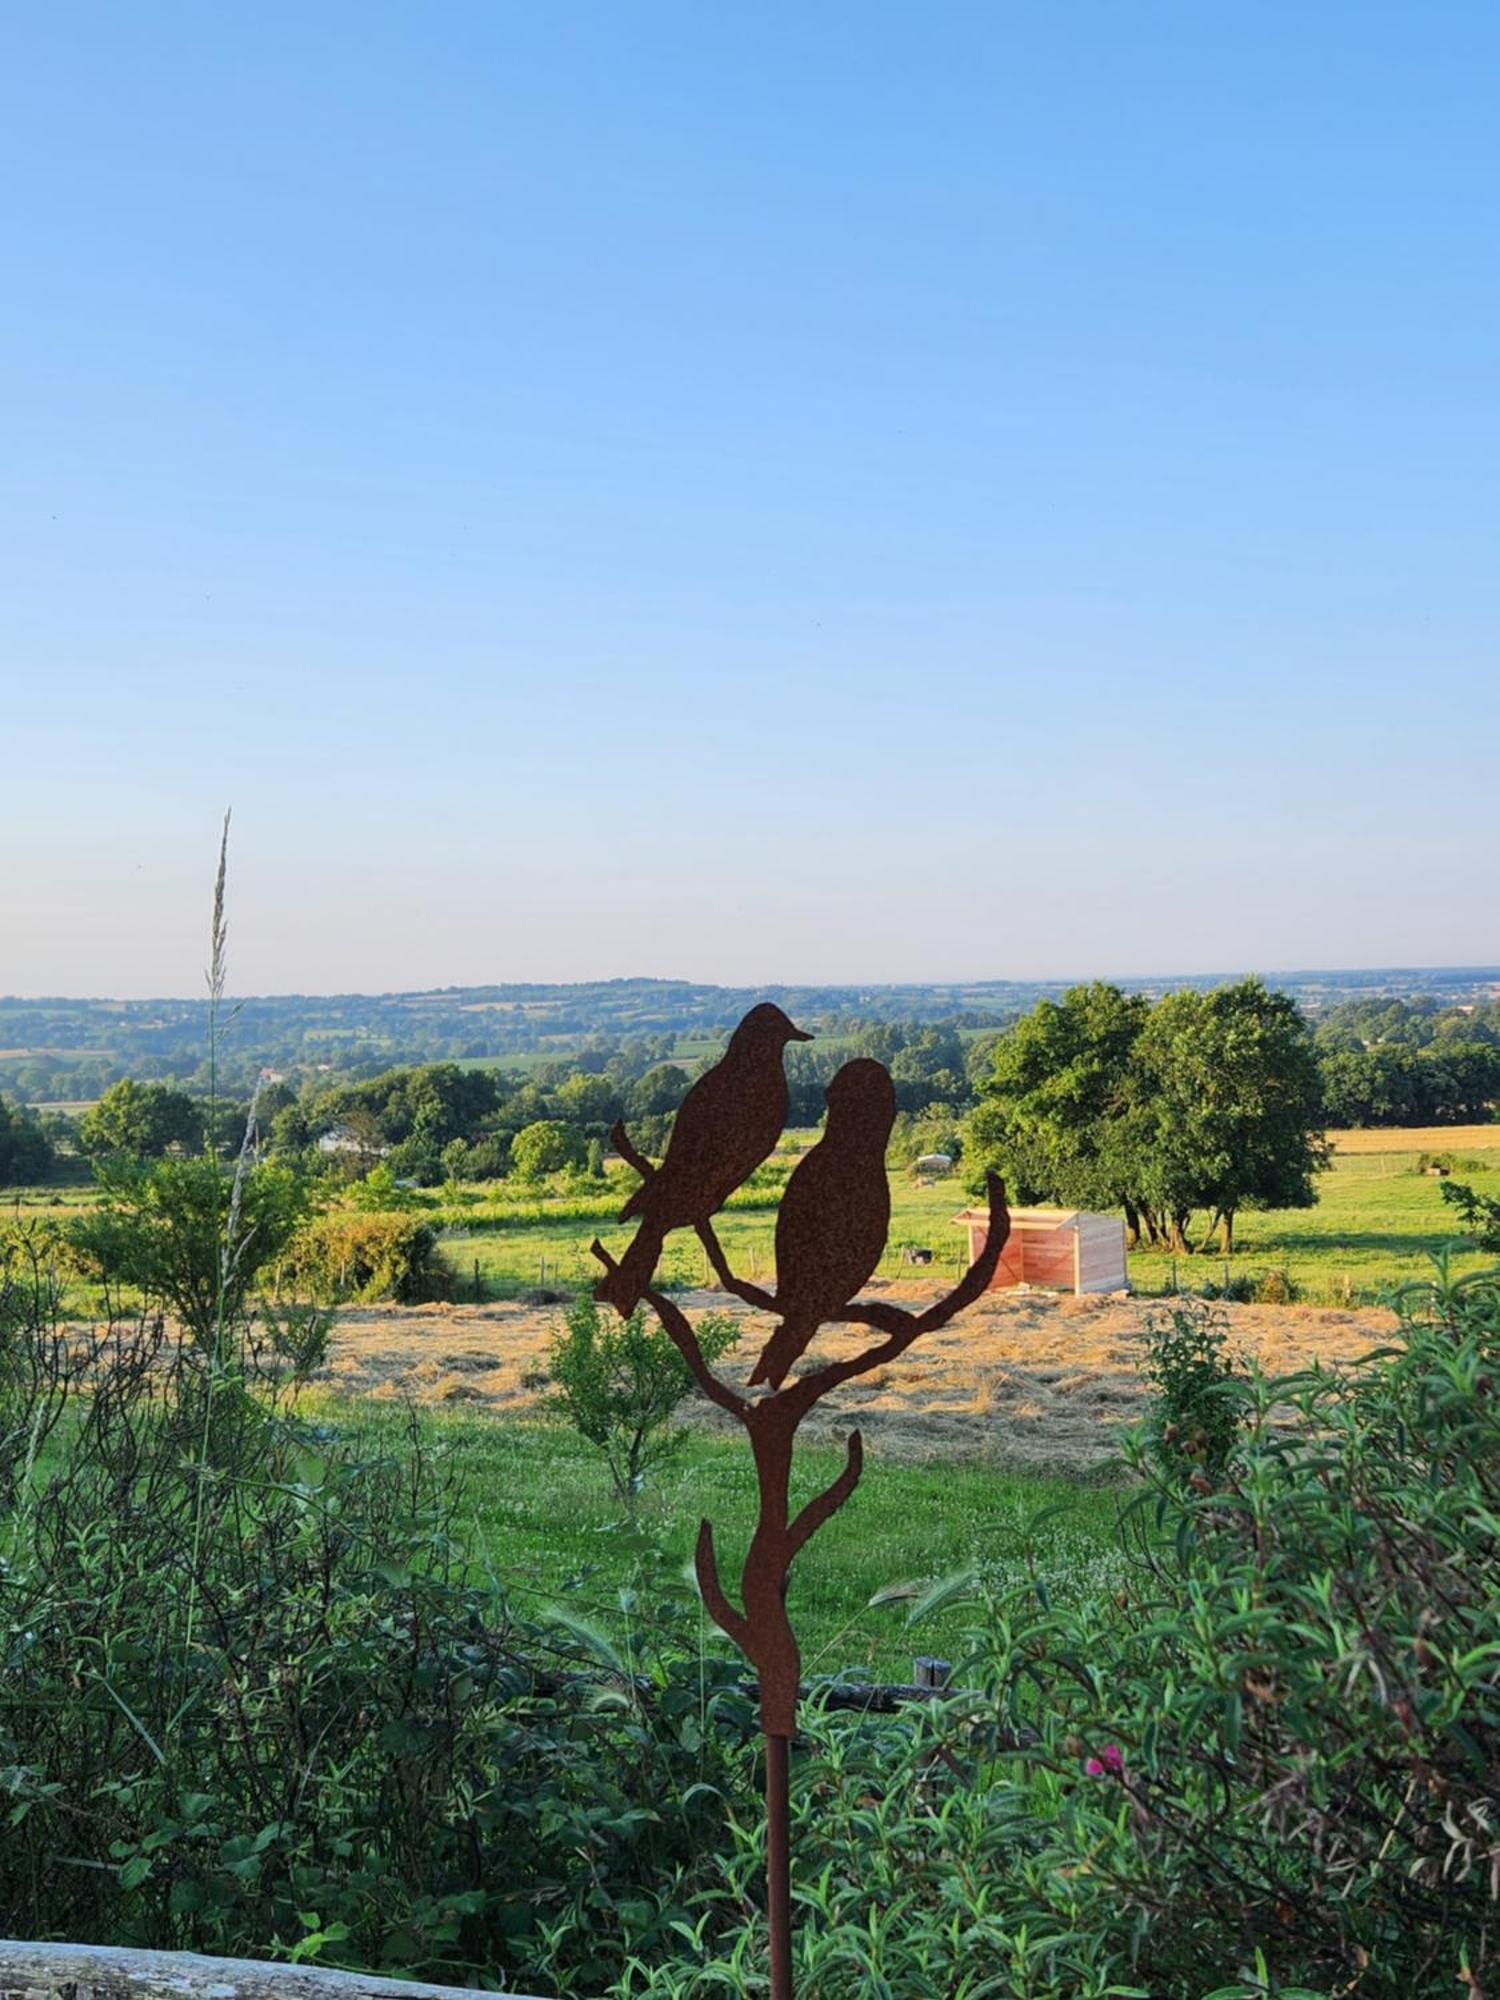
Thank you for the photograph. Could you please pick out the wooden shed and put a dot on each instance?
(1064, 1249)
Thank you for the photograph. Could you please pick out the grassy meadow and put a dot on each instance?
(545, 1526)
(1378, 1221)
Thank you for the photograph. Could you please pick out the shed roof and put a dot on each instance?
(1029, 1218)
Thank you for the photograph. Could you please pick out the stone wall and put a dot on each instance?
(107, 1972)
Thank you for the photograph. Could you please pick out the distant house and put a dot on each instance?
(1061, 1249)
(935, 1164)
(340, 1140)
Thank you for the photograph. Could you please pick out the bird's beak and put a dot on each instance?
(801, 1035)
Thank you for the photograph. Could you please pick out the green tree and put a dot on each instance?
(1206, 1100)
(1058, 1108)
(547, 1147)
(1230, 1108)
(190, 1236)
(617, 1382)
(589, 1100)
(25, 1150)
(139, 1121)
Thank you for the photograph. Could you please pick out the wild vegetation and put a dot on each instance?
(1203, 1101)
(265, 1691)
(289, 1676)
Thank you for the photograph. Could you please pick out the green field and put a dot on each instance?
(1378, 1221)
(544, 1525)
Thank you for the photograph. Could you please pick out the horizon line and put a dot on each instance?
(1290, 973)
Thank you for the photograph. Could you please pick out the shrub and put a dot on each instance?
(1195, 1418)
(1238, 1290)
(1266, 1765)
(1276, 1288)
(380, 1193)
(1480, 1213)
(255, 1706)
(190, 1237)
(618, 1383)
(347, 1255)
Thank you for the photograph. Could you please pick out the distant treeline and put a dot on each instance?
(440, 1121)
(1409, 1062)
(1379, 1062)
(62, 1050)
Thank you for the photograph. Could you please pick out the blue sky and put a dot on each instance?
(747, 493)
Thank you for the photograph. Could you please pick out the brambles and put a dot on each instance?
(1195, 1417)
(348, 1255)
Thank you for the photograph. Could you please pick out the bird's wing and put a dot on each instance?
(830, 1230)
(726, 1126)
(693, 1145)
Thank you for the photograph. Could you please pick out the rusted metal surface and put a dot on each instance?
(725, 1127)
(107, 1972)
(830, 1235)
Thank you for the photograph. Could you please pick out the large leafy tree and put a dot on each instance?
(547, 1147)
(1232, 1108)
(1057, 1106)
(1204, 1101)
(25, 1150)
(139, 1121)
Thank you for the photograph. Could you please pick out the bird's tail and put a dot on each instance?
(781, 1351)
(623, 1284)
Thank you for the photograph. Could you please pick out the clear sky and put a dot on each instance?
(775, 492)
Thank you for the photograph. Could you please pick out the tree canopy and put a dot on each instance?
(1202, 1101)
(140, 1121)
(25, 1150)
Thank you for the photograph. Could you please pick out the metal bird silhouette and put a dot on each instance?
(725, 1127)
(831, 1226)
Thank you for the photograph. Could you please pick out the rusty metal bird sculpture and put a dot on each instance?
(829, 1237)
(725, 1127)
(832, 1223)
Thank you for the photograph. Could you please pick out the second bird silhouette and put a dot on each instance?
(726, 1126)
(832, 1223)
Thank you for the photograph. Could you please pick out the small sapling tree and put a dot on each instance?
(1196, 1417)
(1480, 1213)
(619, 1381)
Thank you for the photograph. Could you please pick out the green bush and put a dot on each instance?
(1194, 1420)
(1480, 1213)
(1238, 1290)
(348, 1255)
(1266, 1765)
(254, 1704)
(618, 1383)
(190, 1237)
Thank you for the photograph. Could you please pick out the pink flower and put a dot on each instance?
(1109, 1763)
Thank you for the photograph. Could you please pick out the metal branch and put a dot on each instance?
(817, 1511)
(723, 1613)
(620, 1139)
(902, 1328)
(680, 1333)
(713, 1250)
